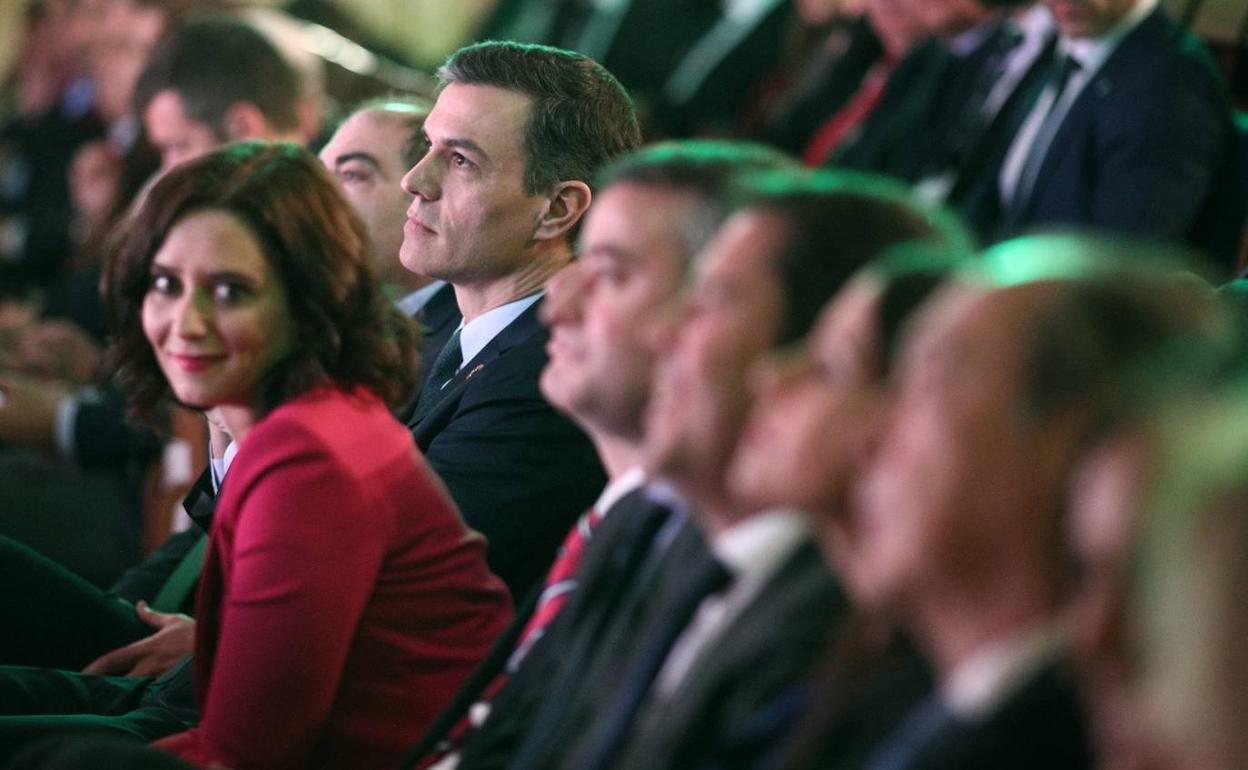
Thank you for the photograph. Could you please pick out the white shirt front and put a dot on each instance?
(986, 680)
(753, 550)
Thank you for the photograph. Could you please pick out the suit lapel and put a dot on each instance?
(523, 328)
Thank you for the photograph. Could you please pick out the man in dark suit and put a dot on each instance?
(1007, 375)
(516, 133)
(929, 88)
(652, 212)
(650, 692)
(1128, 134)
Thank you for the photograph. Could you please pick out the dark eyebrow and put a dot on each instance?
(467, 144)
(360, 156)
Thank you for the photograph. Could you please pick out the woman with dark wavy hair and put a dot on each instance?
(342, 599)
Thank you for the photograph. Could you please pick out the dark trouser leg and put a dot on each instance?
(48, 702)
(51, 617)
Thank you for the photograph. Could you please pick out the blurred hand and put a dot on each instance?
(16, 319)
(58, 350)
(174, 639)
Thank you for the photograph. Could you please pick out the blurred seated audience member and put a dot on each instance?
(243, 284)
(512, 145)
(801, 446)
(53, 117)
(1128, 133)
(1002, 91)
(691, 65)
(844, 82)
(638, 41)
(709, 85)
(76, 86)
(369, 153)
(654, 210)
(732, 602)
(935, 82)
(956, 526)
(212, 80)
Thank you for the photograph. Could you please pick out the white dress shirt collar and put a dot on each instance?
(477, 333)
(619, 486)
(993, 674)
(1092, 52)
(754, 548)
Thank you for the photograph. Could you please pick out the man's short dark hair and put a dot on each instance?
(836, 223)
(580, 119)
(708, 168)
(215, 61)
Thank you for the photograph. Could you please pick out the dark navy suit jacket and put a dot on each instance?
(520, 472)
(1141, 147)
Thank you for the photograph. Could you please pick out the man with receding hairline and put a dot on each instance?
(369, 153)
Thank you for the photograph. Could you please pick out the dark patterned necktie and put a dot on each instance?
(444, 368)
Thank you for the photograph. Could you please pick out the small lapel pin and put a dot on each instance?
(475, 369)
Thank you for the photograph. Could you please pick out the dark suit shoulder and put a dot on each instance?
(1042, 726)
(519, 471)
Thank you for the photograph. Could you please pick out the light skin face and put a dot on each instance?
(894, 24)
(471, 222)
(945, 18)
(633, 255)
(731, 317)
(810, 412)
(216, 315)
(952, 455)
(175, 135)
(365, 154)
(1088, 18)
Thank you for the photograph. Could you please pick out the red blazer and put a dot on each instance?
(342, 600)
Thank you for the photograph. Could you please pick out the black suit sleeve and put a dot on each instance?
(103, 438)
(1161, 147)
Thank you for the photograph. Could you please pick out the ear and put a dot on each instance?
(244, 120)
(564, 207)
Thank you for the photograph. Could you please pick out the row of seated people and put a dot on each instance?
(688, 633)
(1015, 113)
(956, 97)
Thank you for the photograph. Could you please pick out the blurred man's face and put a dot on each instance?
(366, 156)
(801, 444)
(174, 134)
(732, 315)
(633, 255)
(954, 461)
(1088, 18)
